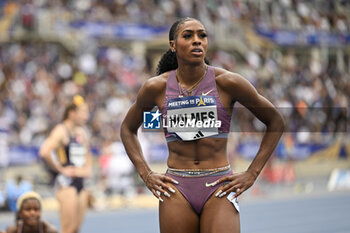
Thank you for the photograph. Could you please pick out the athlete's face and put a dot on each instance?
(81, 114)
(30, 212)
(191, 42)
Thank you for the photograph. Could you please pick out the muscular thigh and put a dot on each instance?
(176, 215)
(82, 203)
(219, 215)
(82, 198)
(68, 200)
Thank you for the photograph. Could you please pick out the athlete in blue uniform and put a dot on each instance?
(67, 152)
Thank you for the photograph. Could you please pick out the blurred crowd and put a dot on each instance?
(314, 15)
(311, 93)
(310, 16)
(37, 79)
(310, 86)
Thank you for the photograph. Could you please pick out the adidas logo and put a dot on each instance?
(198, 135)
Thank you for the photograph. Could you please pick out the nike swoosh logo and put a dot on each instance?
(207, 92)
(211, 184)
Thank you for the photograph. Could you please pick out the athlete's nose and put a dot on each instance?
(196, 40)
(196, 43)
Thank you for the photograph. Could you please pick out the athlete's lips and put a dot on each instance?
(197, 51)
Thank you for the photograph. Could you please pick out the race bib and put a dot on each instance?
(192, 117)
(77, 153)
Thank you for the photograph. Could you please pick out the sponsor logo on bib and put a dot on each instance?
(192, 117)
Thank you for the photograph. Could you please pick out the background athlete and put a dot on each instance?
(28, 216)
(179, 211)
(69, 142)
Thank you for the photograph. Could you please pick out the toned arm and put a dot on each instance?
(239, 89)
(146, 100)
(265, 111)
(52, 143)
(149, 96)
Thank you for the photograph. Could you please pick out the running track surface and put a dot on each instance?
(326, 213)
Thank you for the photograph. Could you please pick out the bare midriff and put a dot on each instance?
(199, 154)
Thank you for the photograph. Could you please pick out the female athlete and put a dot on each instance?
(67, 152)
(198, 192)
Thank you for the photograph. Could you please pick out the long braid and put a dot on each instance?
(167, 62)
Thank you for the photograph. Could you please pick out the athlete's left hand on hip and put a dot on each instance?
(238, 183)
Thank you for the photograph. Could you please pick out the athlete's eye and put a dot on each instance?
(203, 35)
(186, 36)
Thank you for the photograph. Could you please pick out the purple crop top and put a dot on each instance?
(204, 105)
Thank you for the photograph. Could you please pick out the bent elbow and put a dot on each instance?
(276, 123)
(280, 123)
(122, 130)
(42, 154)
(126, 131)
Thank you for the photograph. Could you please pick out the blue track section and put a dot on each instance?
(302, 214)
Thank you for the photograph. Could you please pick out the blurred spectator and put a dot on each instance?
(117, 170)
(4, 149)
(28, 216)
(27, 15)
(14, 189)
(2, 199)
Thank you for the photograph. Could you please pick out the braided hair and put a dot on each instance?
(169, 61)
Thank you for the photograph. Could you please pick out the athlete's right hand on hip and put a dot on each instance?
(157, 183)
(68, 171)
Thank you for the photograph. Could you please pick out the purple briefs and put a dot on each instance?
(195, 185)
